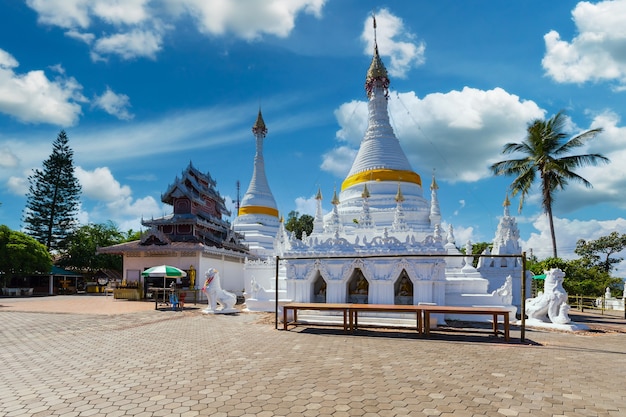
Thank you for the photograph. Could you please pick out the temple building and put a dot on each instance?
(257, 218)
(194, 237)
(382, 241)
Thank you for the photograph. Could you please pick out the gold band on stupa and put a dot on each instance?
(382, 175)
(258, 210)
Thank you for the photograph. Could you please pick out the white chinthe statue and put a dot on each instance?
(216, 295)
(552, 304)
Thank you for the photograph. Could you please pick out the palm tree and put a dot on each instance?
(546, 152)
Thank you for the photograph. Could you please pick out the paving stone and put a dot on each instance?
(153, 363)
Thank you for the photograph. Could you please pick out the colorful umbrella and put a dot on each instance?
(165, 271)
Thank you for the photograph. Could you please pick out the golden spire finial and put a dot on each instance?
(259, 126)
(506, 201)
(377, 70)
(318, 196)
(433, 185)
(399, 196)
(335, 199)
(366, 192)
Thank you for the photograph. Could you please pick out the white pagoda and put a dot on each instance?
(257, 219)
(382, 241)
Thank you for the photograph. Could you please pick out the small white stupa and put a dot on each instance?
(257, 219)
(259, 223)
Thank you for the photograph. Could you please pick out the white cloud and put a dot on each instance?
(306, 205)
(246, 19)
(85, 37)
(113, 200)
(568, 232)
(33, 98)
(338, 160)
(8, 158)
(134, 28)
(100, 184)
(63, 13)
(129, 45)
(393, 41)
(461, 206)
(18, 185)
(7, 61)
(114, 104)
(127, 12)
(596, 53)
(460, 133)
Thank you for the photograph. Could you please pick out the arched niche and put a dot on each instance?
(403, 289)
(319, 289)
(357, 288)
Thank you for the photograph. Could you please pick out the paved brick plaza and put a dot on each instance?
(101, 359)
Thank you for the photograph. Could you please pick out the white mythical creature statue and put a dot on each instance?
(552, 302)
(505, 292)
(216, 295)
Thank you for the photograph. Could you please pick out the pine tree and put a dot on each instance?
(53, 196)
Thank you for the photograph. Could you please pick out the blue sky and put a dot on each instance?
(143, 87)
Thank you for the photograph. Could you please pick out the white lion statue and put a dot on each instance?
(552, 302)
(216, 295)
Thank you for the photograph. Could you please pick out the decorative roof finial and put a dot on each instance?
(433, 185)
(399, 196)
(259, 126)
(335, 199)
(377, 70)
(318, 196)
(366, 192)
(506, 205)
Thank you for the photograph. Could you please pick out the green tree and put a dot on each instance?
(20, 254)
(580, 279)
(598, 253)
(78, 250)
(298, 224)
(53, 196)
(132, 235)
(546, 152)
(477, 249)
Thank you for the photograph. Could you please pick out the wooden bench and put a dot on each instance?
(386, 308)
(422, 312)
(495, 312)
(314, 306)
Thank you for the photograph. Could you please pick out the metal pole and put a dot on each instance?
(523, 329)
(276, 286)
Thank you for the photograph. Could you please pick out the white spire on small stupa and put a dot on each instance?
(507, 236)
(334, 225)
(435, 212)
(399, 222)
(506, 205)
(365, 221)
(318, 221)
